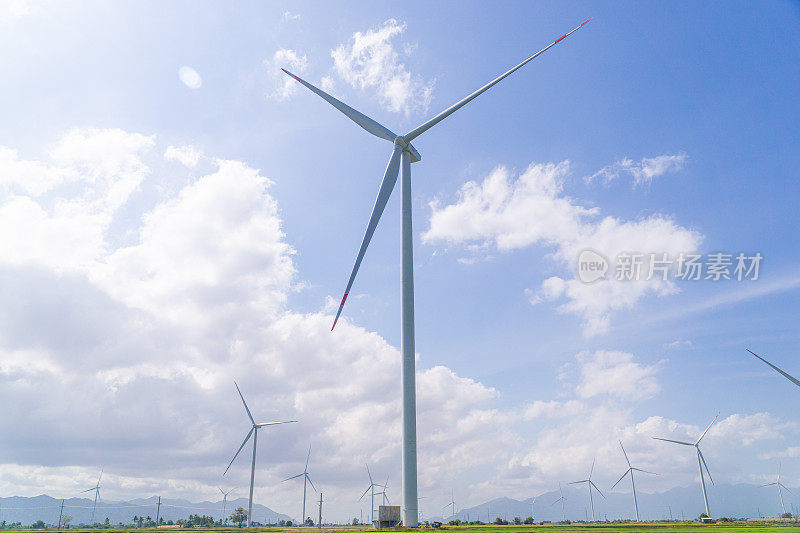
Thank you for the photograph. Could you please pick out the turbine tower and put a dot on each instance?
(371, 489)
(306, 480)
(403, 154)
(561, 499)
(780, 486)
(254, 432)
(633, 485)
(589, 484)
(787, 376)
(96, 490)
(224, 503)
(701, 461)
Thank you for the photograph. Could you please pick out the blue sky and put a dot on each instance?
(92, 101)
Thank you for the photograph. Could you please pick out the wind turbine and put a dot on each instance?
(383, 492)
(589, 484)
(254, 432)
(452, 504)
(633, 485)
(371, 489)
(403, 154)
(780, 486)
(224, 503)
(306, 479)
(561, 499)
(787, 376)
(701, 461)
(96, 490)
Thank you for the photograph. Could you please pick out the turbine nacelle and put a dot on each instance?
(401, 141)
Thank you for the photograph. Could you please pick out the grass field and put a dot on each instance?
(654, 527)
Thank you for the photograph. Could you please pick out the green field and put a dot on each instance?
(654, 527)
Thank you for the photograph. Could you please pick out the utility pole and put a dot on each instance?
(319, 522)
(60, 513)
(158, 510)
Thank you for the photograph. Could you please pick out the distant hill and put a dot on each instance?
(46, 508)
(739, 501)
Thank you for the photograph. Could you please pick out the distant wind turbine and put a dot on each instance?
(403, 154)
(452, 504)
(254, 432)
(371, 490)
(590, 484)
(780, 486)
(306, 479)
(383, 493)
(701, 461)
(561, 499)
(96, 490)
(787, 376)
(224, 503)
(633, 485)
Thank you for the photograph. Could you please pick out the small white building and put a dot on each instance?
(388, 516)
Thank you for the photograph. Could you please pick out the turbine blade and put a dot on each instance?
(387, 185)
(675, 441)
(555, 502)
(645, 471)
(625, 454)
(88, 490)
(592, 469)
(413, 134)
(598, 490)
(706, 431)
(768, 484)
(370, 476)
(365, 493)
(787, 376)
(100, 476)
(308, 457)
(276, 423)
(372, 126)
(288, 478)
(704, 464)
(620, 479)
(245, 403)
(240, 449)
(576, 482)
(311, 482)
(785, 488)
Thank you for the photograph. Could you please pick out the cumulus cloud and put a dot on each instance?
(505, 213)
(370, 60)
(132, 343)
(289, 16)
(187, 156)
(291, 60)
(615, 374)
(643, 171)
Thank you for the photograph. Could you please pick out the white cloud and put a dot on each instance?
(643, 172)
(133, 343)
(289, 16)
(506, 214)
(678, 343)
(190, 77)
(369, 61)
(615, 374)
(187, 156)
(327, 84)
(291, 60)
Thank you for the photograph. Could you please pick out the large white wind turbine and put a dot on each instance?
(400, 161)
(780, 486)
(590, 484)
(701, 461)
(371, 490)
(561, 499)
(96, 490)
(633, 485)
(254, 432)
(787, 376)
(224, 503)
(306, 480)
